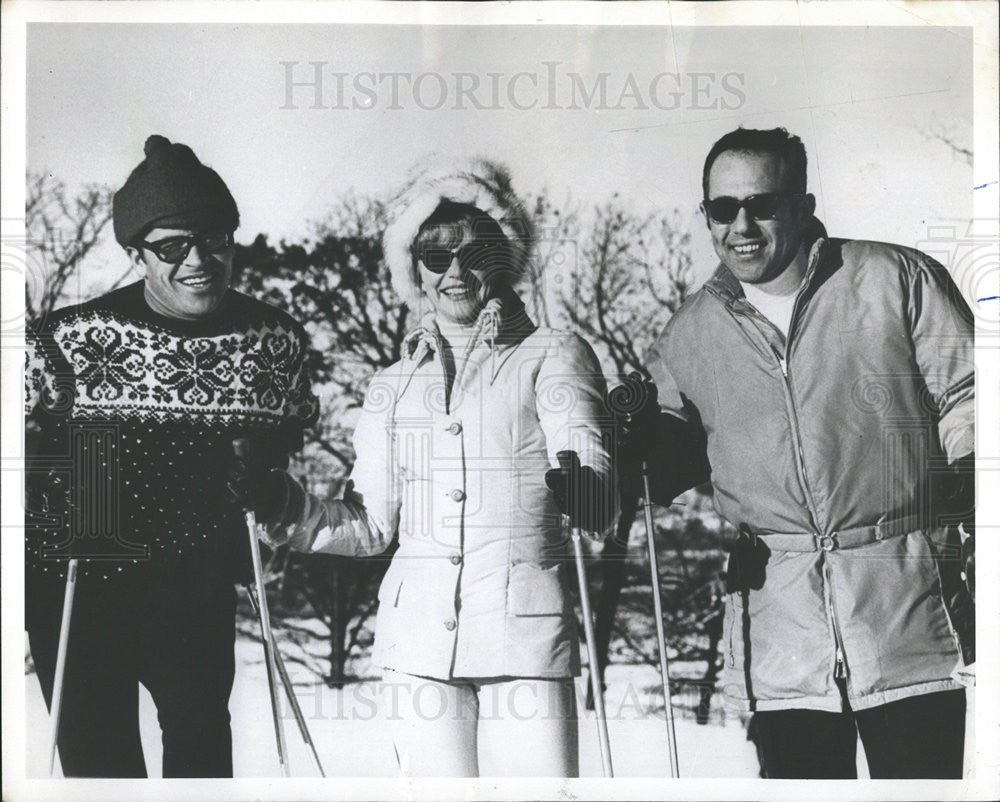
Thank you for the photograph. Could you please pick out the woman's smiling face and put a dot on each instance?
(461, 264)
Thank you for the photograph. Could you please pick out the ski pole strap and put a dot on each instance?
(843, 539)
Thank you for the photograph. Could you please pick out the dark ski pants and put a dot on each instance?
(176, 638)
(920, 737)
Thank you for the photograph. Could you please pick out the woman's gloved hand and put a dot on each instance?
(580, 493)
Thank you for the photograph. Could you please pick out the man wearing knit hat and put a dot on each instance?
(138, 395)
(169, 201)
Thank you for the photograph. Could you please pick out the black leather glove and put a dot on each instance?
(251, 486)
(746, 569)
(956, 499)
(959, 588)
(636, 408)
(580, 493)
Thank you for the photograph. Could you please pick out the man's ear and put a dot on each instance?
(808, 207)
(135, 257)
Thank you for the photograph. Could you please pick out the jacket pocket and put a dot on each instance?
(944, 574)
(533, 590)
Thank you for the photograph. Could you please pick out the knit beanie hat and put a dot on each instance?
(480, 183)
(172, 189)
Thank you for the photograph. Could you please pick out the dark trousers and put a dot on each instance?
(920, 737)
(176, 637)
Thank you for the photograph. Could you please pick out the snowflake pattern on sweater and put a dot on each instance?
(147, 408)
(124, 370)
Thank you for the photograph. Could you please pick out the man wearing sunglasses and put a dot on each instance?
(825, 388)
(138, 395)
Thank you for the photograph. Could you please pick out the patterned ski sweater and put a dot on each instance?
(136, 414)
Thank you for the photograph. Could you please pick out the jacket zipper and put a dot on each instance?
(840, 664)
(782, 360)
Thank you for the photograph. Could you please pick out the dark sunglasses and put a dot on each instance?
(765, 206)
(175, 250)
(471, 256)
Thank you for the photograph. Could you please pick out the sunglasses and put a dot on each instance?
(765, 206)
(471, 256)
(175, 250)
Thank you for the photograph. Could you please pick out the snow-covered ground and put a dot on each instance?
(353, 741)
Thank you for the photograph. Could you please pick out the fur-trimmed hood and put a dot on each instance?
(478, 182)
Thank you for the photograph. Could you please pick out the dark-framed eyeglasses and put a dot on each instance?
(471, 256)
(764, 206)
(175, 250)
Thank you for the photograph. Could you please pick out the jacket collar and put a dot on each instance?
(724, 285)
(501, 326)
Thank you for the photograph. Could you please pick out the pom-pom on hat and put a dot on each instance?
(172, 189)
(477, 182)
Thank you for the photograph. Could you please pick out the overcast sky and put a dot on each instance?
(865, 101)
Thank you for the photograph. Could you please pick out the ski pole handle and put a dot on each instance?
(241, 450)
(574, 499)
(567, 459)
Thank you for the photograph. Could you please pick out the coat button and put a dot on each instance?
(450, 624)
(457, 495)
(455, 428)
(455, 558)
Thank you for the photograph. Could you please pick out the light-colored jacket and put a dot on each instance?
(826, 446)
(479, 584)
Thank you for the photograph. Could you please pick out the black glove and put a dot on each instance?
(636, 408)
(748, 558)
(955, 492)
(960, 591)
(580, 493)
(251, 486)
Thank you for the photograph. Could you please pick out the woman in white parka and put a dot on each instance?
(456, 452)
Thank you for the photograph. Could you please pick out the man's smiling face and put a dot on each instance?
(193, 287)
(756, 251)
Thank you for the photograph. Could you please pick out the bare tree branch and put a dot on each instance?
(61, 230)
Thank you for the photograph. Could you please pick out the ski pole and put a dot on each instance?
(566, 459)
(289, 691)
(624, 400)
(60, 674)
(241, 447)
(661, 638)
(595, 674)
